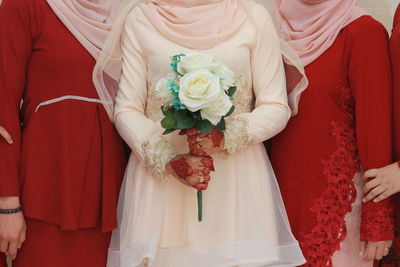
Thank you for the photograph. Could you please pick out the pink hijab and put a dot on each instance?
(89, 21)
(196, 24)
(313, 28)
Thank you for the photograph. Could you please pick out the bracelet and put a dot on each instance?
(11, 211)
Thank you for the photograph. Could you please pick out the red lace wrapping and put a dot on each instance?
(182, 168)
(195, 148)
(335, 202)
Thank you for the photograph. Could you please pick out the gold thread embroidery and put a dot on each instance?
(156, 156)
(237, 134)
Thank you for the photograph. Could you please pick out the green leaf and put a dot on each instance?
(169, 121)
(231, 91)
(204, 126)
(221, 125)
(230, 111)
(184, 121)
(168, 131)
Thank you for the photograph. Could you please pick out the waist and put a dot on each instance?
(65, 98)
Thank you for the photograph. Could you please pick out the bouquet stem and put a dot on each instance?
(199, 205)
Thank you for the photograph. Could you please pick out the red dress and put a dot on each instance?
(67, 161)
(393, 259)
(3, 262)
(343, 125)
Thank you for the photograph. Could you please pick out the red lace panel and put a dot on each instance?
(335, 202)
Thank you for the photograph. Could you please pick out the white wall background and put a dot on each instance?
(382, 10)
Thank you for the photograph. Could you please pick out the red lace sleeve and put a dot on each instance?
(370, 82)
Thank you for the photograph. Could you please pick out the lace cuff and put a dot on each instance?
(237, 134)
(377, 222)
(156, 156)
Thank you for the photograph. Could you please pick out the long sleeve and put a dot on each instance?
(370, 81)
(395, 56)
(15, 49)
(143, 135)
(271, 112)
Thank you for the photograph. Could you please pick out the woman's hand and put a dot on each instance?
(6, 135)
(385, 182)
(201, 144)
(12, 228)
(374, 250)
(191, 171)
(212, 143)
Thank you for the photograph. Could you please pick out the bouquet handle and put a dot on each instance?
(200, 205)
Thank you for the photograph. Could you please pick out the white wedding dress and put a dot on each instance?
(244, 219)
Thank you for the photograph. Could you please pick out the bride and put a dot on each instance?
(245, 223)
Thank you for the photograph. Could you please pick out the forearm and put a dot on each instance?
(9, 202)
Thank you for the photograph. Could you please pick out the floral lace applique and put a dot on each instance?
(156, 156)
(244, 97)
(336, 201)
(237, 126)
(378, 222)
(237, 134)
(153, 106)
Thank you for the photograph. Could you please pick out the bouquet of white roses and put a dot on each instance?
(196, 93)
(196, 97)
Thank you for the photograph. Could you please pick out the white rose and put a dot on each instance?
(163, 92)
(194, 61)
(217, 109)
(198, 89)
(226, 76)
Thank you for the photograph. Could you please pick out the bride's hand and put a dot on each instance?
(201, 144)
(191, 171)
(6, 135)
(212, 143)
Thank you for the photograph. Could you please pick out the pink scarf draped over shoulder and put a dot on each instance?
(90, 21)
(313, 28)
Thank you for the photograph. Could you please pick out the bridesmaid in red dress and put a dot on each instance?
(65, 166)
(343, 126)
(386, 181)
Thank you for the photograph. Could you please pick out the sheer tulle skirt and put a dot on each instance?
(244, 220)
